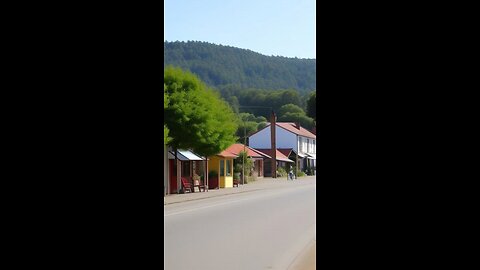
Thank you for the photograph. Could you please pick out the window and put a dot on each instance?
(314, 147)
(186, 168)
(222, 168)
(308, 146)
(228, 168)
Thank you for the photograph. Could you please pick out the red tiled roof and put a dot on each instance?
(235, 149)
(260, 153)
(280, 156)
(292, 128)
(285, 151)
(227, 154)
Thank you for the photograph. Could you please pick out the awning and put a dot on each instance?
(279, 156)
(284, 159)
(300, 155)
(312, 156)
(184, 155)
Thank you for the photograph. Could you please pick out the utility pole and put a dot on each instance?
(245, 153)
(245, 139)
(273, 127)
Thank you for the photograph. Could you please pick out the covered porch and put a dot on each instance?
(221, 170)
(281, 159)
(188, 164)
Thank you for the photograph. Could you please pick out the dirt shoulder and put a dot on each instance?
(307, 259)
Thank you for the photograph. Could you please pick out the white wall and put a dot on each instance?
(310, 147)
(260, 139)
(284, 139)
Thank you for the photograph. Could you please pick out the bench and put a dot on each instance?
(186, 185)
(200, 184)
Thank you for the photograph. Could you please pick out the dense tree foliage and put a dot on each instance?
(293, 113)
(251, 83)
(246, 128)
(196, 116)
(312, 106)
(244, 160)
(166, 139)
(260, 101)
(304, 120)
(248, 124)
(219, 65)
(256, 106)
(289, 108)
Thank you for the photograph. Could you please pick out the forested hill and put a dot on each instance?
(219, 66)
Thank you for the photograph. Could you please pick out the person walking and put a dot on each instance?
(290, 174)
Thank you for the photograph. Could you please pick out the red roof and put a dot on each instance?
(235, 149)
(227, 154)
(280, 156)
(292, 128)
(285, 151)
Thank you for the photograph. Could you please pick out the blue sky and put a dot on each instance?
(270, 27)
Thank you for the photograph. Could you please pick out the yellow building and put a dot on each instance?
(223, 165)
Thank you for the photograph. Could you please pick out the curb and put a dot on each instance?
(197, 199)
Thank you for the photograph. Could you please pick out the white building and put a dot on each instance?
(289, 136)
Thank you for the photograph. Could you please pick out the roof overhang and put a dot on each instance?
(262, 155)
(285, 160)
(185, 155)
(301, 155)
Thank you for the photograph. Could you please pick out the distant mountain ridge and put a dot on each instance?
(219, 66)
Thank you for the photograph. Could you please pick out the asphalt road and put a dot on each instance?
(263, 229)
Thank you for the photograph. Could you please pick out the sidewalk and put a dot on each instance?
(261, 183)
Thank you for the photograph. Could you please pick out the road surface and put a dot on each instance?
(261, 229)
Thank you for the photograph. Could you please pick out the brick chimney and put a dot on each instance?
(273, 141)
(297, 125)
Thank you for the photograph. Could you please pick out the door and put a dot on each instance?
(173, 176)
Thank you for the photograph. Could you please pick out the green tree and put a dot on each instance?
(260, 119)
(233, 101)
(290, 108)
(223, 65)
(247, 117)
(246, 128)
(196, 116)
(245, 161)
(304, 120)
(312, 106)
(261, 125)
(166, 139)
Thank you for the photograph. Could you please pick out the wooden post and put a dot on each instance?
(273, 127)
(296, 166)
(206, 173)
(179, 171)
